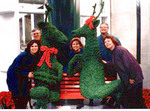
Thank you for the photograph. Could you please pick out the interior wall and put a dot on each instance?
(124, 26)
(9, 31)
(145, 39)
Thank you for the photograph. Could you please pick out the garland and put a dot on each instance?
(6, 100)
(146, 96)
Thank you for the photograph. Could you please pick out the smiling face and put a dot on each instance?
(104, 28)
(76, 46)
(109, 44)
(34, 48)
(36, 35)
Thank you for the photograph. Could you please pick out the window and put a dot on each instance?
(32, 1)
(31, 11)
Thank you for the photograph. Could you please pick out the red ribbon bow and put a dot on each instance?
(6, 99)
(46, 55)
(90, 22)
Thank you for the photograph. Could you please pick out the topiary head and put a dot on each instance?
(51, 35)
(89, 28)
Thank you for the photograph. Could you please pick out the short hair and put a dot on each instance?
(105, 24)
(112, 38)
(31, 43)
(35, 29)
(76, 39)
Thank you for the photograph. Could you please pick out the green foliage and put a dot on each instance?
(51, 35)
(40, 93)
(54, 96)
(47, 79)
(92, 78)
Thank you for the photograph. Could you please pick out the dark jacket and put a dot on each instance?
(17, 74)
(105, 54)
(126, 66)
(71, 54)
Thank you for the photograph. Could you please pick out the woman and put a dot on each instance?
(20, 72)
(129, 72)
(76, 48)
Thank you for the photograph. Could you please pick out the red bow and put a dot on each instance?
(6, 99)
(46, 55)
(90, 22)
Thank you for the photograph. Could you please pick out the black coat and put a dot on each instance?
(17, 74)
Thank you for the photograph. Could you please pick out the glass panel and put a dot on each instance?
(32, 1)
(22, 42)
(27, 28)
(104, 19)
(38, 17)
(21, 31)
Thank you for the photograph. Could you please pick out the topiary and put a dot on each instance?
(49, 72)
(92, 78)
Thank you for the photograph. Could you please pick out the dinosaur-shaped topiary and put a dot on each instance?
(92, 79)
(49, 73)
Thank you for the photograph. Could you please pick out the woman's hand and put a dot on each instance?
(64, 74)
(131, 81)
(103, 61)
(30, 75)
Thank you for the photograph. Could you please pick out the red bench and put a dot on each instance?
(70, 89)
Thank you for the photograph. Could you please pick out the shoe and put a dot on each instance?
(80, 106)
(91, 102)
(116, 105)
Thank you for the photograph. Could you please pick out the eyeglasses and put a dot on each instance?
(36, 34)
(103, 27)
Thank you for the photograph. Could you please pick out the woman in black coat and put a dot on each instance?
(20, 72)
(129, 72)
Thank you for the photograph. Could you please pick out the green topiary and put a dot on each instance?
(92, 79)
(42, 95)
(49, 73)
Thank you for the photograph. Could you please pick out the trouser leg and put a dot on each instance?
(20, 102)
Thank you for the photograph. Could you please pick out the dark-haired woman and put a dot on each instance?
(129, 72)
(20, 72)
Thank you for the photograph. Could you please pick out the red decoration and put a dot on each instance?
(46, 55)
(90, 22)
(6, 100)
(146, 96)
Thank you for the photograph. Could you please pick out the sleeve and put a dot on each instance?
(20, 68)
(128, 63)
